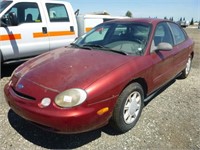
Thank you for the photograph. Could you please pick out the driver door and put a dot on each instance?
(21, 41)
(162, 70)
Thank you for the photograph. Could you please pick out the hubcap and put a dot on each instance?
(188, 66)
(132, 107)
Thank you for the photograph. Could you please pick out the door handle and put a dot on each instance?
(71, 28)
(44, 30)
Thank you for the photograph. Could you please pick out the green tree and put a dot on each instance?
(129, 14)
(105, 13)
(101, 13)
(192, 22)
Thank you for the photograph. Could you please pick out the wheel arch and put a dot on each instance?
(192, 54)
(117, 119)
(1, 56)
(142, 82)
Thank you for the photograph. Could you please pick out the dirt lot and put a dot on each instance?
(169, 121)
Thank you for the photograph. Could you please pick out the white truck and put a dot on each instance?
(31, 27)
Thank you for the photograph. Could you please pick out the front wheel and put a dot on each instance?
(186, 71)
(128, 108)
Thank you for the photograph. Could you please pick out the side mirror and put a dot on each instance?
(76, 12)
(13, 19)
(164, 47)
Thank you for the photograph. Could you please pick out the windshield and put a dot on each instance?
(128, 38)
(4, 4)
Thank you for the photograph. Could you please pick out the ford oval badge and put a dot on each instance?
(20, 86)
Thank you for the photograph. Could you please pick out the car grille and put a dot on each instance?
(24, 95)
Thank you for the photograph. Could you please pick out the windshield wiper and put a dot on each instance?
(77, 46)
(93, 45)
(104, 48)
(120, 52)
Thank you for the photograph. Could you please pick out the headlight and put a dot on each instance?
(70, 98)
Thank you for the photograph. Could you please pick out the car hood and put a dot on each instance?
(67, 68)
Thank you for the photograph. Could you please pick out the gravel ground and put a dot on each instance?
(169, 121)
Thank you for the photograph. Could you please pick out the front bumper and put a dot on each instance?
(70, 120)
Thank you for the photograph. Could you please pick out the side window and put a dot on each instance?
(179, 35)
(57, 12)
(32, 15)
(162, 34)
(26, 12)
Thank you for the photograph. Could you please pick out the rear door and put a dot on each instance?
(181, 47)
(61, 23)
(24, 40)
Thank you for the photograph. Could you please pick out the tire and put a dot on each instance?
(186, 71)
(1, 57)
(128, 108)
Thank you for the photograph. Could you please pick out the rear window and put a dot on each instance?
(57, 12)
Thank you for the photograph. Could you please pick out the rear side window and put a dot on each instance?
(57, 12)
(179, 35)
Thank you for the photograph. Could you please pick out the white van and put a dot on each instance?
(31, 27)
(88, 21)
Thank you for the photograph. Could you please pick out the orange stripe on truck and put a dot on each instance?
(88, 29)
(10, 37)
(53, 33)
(39, 34)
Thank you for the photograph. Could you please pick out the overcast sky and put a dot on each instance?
(187, 9)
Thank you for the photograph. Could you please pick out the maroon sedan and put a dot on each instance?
(105, 76)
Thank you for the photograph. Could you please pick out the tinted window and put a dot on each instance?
(57, 13)
(25, 12)
(179, 35)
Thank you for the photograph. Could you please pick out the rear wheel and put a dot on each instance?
(187, 69)
(1, 57)
(128, 108)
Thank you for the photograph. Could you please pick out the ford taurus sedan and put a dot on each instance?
(104, 76)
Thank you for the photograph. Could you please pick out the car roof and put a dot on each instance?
(142, 20)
